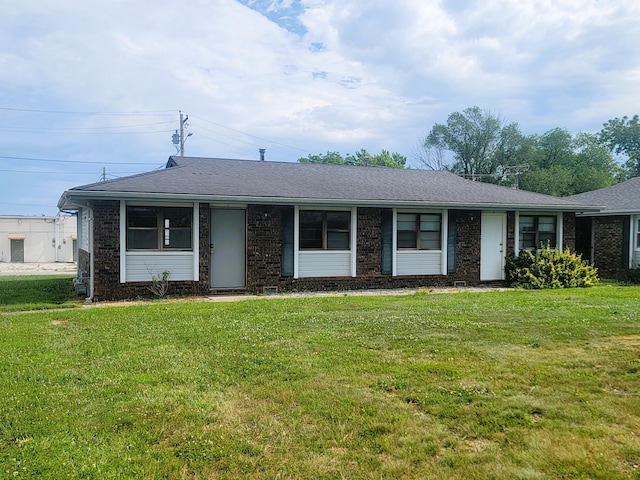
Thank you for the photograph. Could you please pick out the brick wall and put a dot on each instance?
(569, 231)
(468, 225)
(84, 260)
(264, 246)
(264, 253)
(106, 251)
(608, 246)
(512, 238)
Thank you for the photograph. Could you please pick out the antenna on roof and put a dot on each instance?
(516, 171)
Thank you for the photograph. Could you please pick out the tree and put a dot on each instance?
(622, 136)
(359, 158)
(563, 164)
(331, 158)
(478, 143)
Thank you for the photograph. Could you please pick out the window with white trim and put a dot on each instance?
(538, 231)
(419, 231)
(159, 228)
(325, 230)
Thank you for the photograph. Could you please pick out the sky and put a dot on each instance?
(93, 89)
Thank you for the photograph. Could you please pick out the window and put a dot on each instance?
(638, 235)
(537, 231)
(324, 230)
(159, 228)
(419, 231)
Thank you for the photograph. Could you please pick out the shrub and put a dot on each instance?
(633, 275)
(549, 268)
(160, 285)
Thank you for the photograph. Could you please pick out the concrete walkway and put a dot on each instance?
(59, 268)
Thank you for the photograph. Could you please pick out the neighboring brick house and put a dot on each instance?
(220, 225)
(610, 238)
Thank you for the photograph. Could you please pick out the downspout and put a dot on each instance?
(56, 237)
(92, 269)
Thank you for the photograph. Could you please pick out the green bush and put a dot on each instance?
(633, 275)
(549, 268)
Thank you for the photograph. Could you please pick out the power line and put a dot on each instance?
(199, 135)
(92, 133)
(62, 173)
(52, 160)
(248, 134)
(67, 112)
(64, 129)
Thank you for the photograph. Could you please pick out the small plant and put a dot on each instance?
(160, 285)
(549, 268)
(633, 275)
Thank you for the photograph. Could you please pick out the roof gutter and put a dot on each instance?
(79, 198)
(605, 213)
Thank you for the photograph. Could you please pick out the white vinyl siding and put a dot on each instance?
(419, 262)
(141, 266)
(324, 264)
(635, 242)
(83, 230)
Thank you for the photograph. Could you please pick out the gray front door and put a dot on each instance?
(17, 251)
(228, 248)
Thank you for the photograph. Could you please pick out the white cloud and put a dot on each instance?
(316, 75)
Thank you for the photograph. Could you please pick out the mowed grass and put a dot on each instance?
(37, 292)
(495, 385)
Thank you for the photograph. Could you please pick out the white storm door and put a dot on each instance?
(228, 248)
(493, 239)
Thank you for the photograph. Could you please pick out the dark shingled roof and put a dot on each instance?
(621, 198)
(215, 179)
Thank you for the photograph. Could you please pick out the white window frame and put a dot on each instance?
(352, 251)
(195, 240)
(444, 229)
(559, 227)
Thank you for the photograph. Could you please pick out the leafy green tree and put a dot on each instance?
(477, 142)
(479, 145)
(331, 158)
(622, 136)
(563, 164)
(359, 158)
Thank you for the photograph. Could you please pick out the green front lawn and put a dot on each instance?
(37, 292)
(509, 385)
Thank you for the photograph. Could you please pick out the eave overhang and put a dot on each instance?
(74, 199)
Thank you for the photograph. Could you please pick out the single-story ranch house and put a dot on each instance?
(219, 225)
(610, 238)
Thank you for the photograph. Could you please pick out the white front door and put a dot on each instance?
(228, 248)
(493, 239)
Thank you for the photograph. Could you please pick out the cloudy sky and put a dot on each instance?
(93, 85)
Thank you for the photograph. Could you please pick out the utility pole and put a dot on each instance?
(104, 174)
(178, 139)
(516, 171)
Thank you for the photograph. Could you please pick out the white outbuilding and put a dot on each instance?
(38, 239)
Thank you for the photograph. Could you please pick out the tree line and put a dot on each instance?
(480, 145)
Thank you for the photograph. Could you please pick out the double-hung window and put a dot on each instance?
(419, 231)
(538, 231)
(324, 230)
(159, 228)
